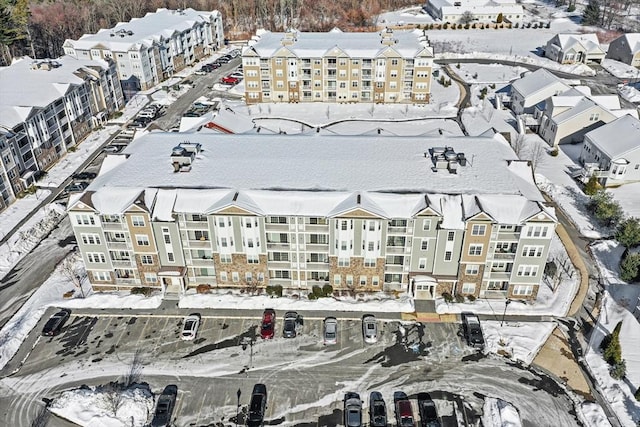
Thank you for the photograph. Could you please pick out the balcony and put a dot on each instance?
(276, 227)
(129, 281)
(197, 225)
(284, 246)
(202, 262)
(500, 275)
(119, 245)
(317, 247)
(395, 250)
(393, 268)
(504, 255)
(107, 225)
(493, 294)
(397, 230)
(122, 263)
(199, 244)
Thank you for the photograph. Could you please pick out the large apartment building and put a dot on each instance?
(148, 50)
(46, 108)
(385, 67)
(428, 215)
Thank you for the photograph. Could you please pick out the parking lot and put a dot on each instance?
(305, 378)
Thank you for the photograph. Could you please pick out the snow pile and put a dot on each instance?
(498, 413)
(608, 254)
(516, 340)
(94, 406)
(374, 302)
(620, 69)
(593, 415)
(118, 300)
(629, 93)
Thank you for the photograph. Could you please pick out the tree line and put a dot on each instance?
(39, 27)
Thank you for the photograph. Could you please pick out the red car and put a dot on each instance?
(268, 326)
(230, 80)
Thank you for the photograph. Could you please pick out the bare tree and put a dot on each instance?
(134, 374)
(73, 272)
(518, 145)
(112, 397)
(536, 155)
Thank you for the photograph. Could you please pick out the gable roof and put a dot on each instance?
(536, 82)
(589, 42)
(627, 137)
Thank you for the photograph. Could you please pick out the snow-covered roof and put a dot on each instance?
(143, 31)
(627, 137)
(24, 86)
(535, 82)
(589, 42)
(407, 44)
(632, 41)
(320, 176)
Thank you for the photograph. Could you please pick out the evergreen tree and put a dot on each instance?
(592, 186)
(613, 352)
(628, 232)
(591, 14)
(630, 267)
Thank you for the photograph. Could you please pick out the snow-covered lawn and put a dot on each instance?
(518, 341)
(621, 70)
(487, 73)
(498, 413)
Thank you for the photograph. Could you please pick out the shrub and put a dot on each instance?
(628, 232)
(142, 291)
(492, 85)
(448, 298)
(203, 289)
(317, 291)
(630, 267)
(592, 186)
(499, 18)
(619, 370)
(72, 149)
(554, 152)
(459, 298)
(466, 26)
(274, 290)
(312, 296)
(637, 394)
(516, 25)
(327, 290)
(571, 8)
(68, 294)
(117, 114)
(606, 210)
(446, 25)
(458, 65)
(471, 298)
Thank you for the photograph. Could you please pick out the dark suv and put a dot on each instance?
(290, 322)
(472, 330)
(377, 410)
(257, 406)
(55, 323)
(165, 406)
(428, 412)
(352, 410)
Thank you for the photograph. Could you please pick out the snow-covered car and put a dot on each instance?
(190, 327)
(330, 330)
(369, 329)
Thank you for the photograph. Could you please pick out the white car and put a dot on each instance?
(369, 329)
(237, 75)
(190, 327)
(330, 333)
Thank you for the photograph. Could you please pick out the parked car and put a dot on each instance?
(428, 411)
(352, 410)
(84, 175)
(237, 75)
(190, 327)
(55, 323)
(214, 65)
(76, 187)
(404, 411)
(472, 330)
(229, 80)
(165, 407)
(290, 322)
(223, 60)
(111, 149)
(377, 410)
(147, 113)
(369, 329)
(330, 330)
(268, 326)
(257, 406)
(235, 53)
(201, 72)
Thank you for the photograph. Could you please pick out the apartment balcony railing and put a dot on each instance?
(393, 268)
(119, 245)
(202, 262)
(395, 249)
(317, 247)
(500, 275)
(400, 230)
(278, 246)
(199, 243)
(122, 263)
(504, 255)
(112, 226)
(129, 281)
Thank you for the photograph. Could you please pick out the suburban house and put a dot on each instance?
(425, 215)
(574, 49)
(567, 117)
(613, 160)
(385, 67)
(48, 106)
(626, 48)
(460, 11)
(534, 88)
(150, 49)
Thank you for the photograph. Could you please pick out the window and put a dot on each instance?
(349, 280)
(424, 244)
(532, 251)
(223, 276)
(369, 262)
(248, 277)
(278, 220)
(225, 258)
(279, 256)
(235, 277)
(85, 220)
(522, 290)
(528, 270)
(371, 246)
(475, 250)
(478, 230)
(170, 257)
(426, 225)
(250, 243)
(422, 263)
(472, 269)
(200, 235)
(146, 259)
(537, 231)
(343, 225)
(101, 276)
(447, 256)
(137, 221)
(450, 236)
(223, 242)
(96, 257)
(166, 235)
(281, 274)
(343, 262)
(495, 285)
(150, 278)
(90, 239)
(363, 280)
(468, 288)
(253, 259)
(375, 281)
(337, 279)
(142, 240)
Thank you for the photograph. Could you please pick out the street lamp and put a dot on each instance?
(238, 393)
(506, 304)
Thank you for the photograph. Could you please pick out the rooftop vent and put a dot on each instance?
(183, 155)
(45, 64)
(445, 158)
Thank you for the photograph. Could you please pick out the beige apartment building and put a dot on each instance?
(420, 215)
(385, 67)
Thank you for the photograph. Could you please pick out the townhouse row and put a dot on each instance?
(385, 67)
(410, 214)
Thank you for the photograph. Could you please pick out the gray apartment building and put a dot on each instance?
(46, 108)
(425, 215)
(383, 67)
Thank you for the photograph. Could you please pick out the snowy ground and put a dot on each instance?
(621, 304)
(498, 413)
(519, 341)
